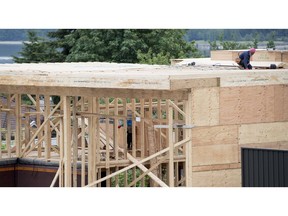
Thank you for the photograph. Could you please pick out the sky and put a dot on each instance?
(142, 14)
(180, 14)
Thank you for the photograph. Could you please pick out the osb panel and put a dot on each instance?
(229, 99)
(264, 55)
(256, 104)
(283, 145)
(281, 102)
(221, 55)
(205, 106)
(216, 154)
(251, 104)
(219, 178)
(217, 135)
(263, 133)
(284, 57)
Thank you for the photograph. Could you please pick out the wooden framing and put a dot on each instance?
(98, 100)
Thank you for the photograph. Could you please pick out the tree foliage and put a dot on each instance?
(152, 46)
(236, 34)
(227, 45)
(37, 49)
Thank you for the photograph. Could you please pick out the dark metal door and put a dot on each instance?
(264, 167)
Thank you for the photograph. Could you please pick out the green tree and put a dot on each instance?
(255, 40)
(152, 46)
(213, 45)
(271, 44)
(37, 49)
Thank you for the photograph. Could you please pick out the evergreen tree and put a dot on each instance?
(271, 44)
(156, 46)
(37, 49)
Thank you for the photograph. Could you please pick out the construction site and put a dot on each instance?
(124, 125)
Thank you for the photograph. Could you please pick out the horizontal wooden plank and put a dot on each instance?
(102, 92)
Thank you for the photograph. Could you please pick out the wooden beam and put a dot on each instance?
(75, 141)
(188, 147)
(0, 130)
(182, 142)
(177, 108)
(18, 125)
(8, 134)
(147, 171)
(98, 138)
(107, 130)
(171, 147)
(40, 128)
(91, 141)
(144, 169)
(34, 145)
(67, 140)
(47, 130)
(96, 92)
(38, 109)
(142, 131)
(134, 144)
(115, 138)
(40, 112)
(83, 145)
(61, 161)
(55, 178)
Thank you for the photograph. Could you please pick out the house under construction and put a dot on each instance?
(107, 124)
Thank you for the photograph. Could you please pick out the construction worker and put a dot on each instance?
(129, 133)
(245, 57)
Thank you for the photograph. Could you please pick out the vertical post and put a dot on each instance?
(116, 145)
(67, 141)
(1, 129)
(134, 146)
(171, 147)
(159, 144)
(39, 148)
(107, 158)
(98, 155)
(47, 128)
(94, 124)
(18, 124)
(151, 142)
(8, 134)
(124, 101)
(188, 148)
(92, 140)
(75, 142)
(142, 132)
(61, 140)
(176, 138)
(27, 128)
(83, 146)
